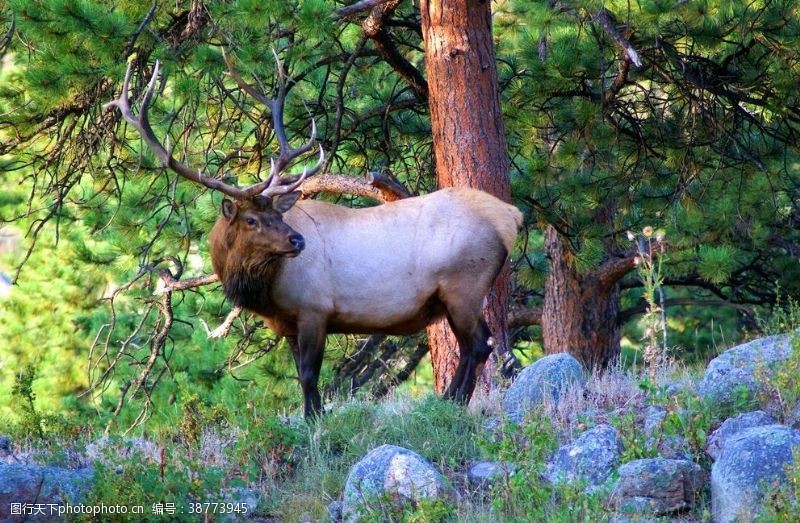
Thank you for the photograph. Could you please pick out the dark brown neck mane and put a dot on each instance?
(250, 286)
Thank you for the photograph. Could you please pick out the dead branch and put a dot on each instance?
(608, 24)
(377, 186)
(357, 7)
(524, 317)
(374, 28)
(225, 327)
(167, 284)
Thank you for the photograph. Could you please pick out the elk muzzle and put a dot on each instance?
(298, 242)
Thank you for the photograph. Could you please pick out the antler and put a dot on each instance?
(287, 154)
(270, 187)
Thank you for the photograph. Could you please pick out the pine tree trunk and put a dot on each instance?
(580, 310)
(469, 142)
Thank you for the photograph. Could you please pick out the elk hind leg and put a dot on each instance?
(473, 335)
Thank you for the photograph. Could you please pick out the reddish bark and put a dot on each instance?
(469, 142)
(580, 314)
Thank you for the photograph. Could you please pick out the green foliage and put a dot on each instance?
(668, 148)
(522, 495)
(715, 264)
(29, 418)
(691, 418)
(784, 316)
(692, 141)
(135, 481)
(782, 388)
(634, 440)
(438, 430)
(267, 443)
(386, 508)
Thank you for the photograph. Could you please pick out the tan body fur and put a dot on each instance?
(389, 269)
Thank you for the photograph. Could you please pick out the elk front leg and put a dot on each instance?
(308, 348)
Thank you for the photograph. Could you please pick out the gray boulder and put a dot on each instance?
(484, 475)
(387, 477)
(38, 487)
(732, 426)
(590, 458)
(666, 446)
(654, 418)
(793, 419)
(335, 511)
(657, 486)
(751, 365)
(543, 380)
(240, 497)
(749, 464)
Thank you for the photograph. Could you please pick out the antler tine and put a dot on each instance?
(275, 187)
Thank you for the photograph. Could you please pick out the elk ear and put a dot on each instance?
(229, 209)
(284, 202)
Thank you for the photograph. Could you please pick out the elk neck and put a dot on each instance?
(249, 285)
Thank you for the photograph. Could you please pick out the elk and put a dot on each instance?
(311, 268)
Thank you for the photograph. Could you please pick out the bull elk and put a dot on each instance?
(311, 268)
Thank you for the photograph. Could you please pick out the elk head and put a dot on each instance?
(256, 226)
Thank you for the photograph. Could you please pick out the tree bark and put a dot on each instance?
(469, 144)
(580, 314)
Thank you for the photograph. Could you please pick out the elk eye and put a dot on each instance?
(251, 221)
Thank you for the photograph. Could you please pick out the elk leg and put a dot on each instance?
(308, 348)
(474, 349)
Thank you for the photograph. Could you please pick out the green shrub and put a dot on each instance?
(523, 495)
(134, 481)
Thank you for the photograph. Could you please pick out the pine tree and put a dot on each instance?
(679, 116)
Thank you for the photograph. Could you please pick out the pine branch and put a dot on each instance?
(363, 5)
(374, 28)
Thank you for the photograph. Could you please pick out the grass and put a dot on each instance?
(299, 468)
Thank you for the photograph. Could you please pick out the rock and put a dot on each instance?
(389, 475)
(674, 447)
(484, 475)
(751, 365)
(40, 487)
(793, 420)
(335, 510)
(669, 446)
(543, 380)
(6, 452)
(492, 424)
(653, 419)
(749, 464)
(242, 498)
(105, 447)
(591, 458)
(733, 426)
(675, 388)
(658, 486)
